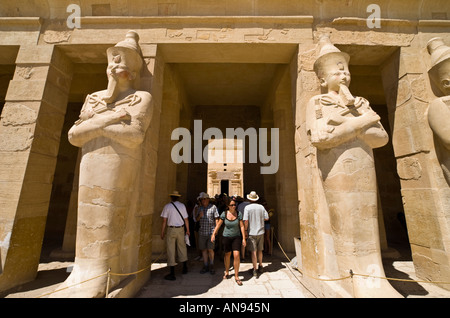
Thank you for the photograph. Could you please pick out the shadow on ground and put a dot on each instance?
(46, 281)
(195, 283)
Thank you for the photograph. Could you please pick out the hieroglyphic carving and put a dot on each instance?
(52, 37)
(24, 72)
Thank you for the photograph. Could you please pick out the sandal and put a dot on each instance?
(239, 282)
(226, 276)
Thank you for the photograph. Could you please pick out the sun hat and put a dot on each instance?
(175, 194)
(253, 196)
(203, 195)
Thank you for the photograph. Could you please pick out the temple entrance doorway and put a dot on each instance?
(224, 186)
(230, 86)
(227, 162)
(248, 86)
(225, 167)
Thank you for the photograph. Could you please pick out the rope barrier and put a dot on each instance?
(301, 272)
(108, 273)
(70, 286)
(352, 274)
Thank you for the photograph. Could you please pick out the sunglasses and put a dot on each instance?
(232, 205)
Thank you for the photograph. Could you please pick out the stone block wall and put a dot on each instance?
(30, 132)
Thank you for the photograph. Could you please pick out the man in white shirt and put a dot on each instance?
(175, 241)
(254, 216)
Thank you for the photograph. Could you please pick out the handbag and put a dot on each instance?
(186, 237)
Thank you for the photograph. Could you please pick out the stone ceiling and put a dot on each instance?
(223, 74)
(226, 84)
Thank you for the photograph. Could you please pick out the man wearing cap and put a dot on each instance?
(439, 109)
(208, 217)
(254, 216)
(175, 241)
(345, 129)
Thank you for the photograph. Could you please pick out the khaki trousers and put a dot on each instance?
(175, 245)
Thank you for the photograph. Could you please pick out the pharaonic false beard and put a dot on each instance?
(112, 90)
(346, 96)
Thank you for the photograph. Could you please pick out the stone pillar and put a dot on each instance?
(425, 195)
(166, 176)
(30, 132)
(286, 210)
(270, 181)
(151, 80)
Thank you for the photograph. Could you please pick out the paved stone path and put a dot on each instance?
(279, 280)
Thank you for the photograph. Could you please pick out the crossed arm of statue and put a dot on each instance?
(125, 125)
(336, 127)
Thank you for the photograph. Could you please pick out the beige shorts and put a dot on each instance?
(255, 243)
(176, 246)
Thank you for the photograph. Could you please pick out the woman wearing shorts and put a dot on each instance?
(233, 238)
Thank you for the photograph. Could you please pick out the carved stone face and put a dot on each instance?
(118, 68)
(336, 74)
(444, 77)
(120, 74)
